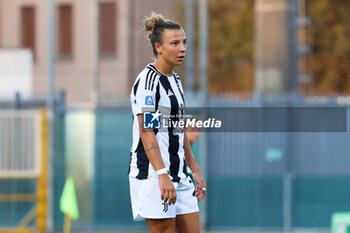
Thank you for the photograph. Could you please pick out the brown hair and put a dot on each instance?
(156, 24)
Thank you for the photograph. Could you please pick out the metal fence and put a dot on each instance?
(278, 180)
(20, 144)
(256, 180)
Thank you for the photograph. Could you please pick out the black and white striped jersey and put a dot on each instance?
(153, 89)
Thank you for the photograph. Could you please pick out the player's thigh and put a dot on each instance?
(166, 225)
(188, 223)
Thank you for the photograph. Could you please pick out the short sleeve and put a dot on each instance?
(145, 95)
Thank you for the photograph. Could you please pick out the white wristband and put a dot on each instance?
(162, 171)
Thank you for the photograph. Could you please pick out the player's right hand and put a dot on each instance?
(167, 189)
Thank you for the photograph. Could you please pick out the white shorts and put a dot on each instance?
(146, 199)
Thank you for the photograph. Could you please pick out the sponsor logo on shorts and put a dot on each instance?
(165, 205)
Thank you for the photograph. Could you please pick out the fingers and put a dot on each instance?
(200, 196)
(197, 190)
(162, 194)
(168, 194)
(201, 191)
(172, 196)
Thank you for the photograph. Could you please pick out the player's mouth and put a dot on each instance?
(181, 58)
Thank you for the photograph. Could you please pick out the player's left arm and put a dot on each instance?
(192, 163)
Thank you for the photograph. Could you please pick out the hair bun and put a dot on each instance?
(150, 23)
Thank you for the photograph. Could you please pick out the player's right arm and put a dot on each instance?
(151, 147)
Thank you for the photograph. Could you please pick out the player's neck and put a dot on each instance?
(163, 67)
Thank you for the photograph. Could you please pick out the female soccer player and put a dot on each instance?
(161, 191)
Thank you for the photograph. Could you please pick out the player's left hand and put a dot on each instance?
(201, 189)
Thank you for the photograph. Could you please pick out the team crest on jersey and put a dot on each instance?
(182, 112)
(149, 100)
(180, 129)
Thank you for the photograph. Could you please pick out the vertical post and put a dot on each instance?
(96, 80)
(203, 62)
(42, 197)
(294, 44)
(189, 52)
(15, 125)
(66, 224)
(17, 104)
(288, 176)
(287, 201)
(61, 100)
(131, 42)
(1, 20)
(96, 70)
(203, 45)
(51, 113)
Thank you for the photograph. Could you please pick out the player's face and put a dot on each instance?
(173, 49)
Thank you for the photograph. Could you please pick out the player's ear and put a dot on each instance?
(158, 47)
